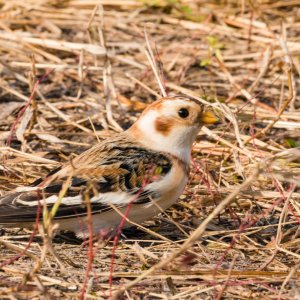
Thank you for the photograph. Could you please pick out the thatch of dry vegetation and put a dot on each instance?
(74, 72)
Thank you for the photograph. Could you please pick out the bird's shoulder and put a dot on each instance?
(118, 156)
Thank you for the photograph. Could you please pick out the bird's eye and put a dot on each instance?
(183, 113)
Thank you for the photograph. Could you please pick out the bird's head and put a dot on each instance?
(171, 125)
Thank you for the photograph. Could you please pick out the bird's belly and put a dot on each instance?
(106, 222)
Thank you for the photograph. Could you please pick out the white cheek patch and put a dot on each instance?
(176, 140)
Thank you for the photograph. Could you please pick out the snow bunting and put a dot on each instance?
(146, 167)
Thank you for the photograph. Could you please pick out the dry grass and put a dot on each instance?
(234, 234)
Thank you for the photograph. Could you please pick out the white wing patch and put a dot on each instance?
(22, 189)
(115, 198)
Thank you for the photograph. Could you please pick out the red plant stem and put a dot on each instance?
(203, 179)
(247, 222)
(224, 286)
(119, 230)
(291, 208)
(116, 239)
(90, 250)
(35, 227)
(22, 111)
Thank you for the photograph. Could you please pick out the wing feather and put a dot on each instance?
(112, 172)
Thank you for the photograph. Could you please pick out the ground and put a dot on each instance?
(75, 72)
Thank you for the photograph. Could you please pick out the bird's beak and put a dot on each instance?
(209, 117)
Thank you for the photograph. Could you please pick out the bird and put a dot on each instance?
(145, 167)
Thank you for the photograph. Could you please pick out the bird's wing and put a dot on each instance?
(109, 173)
